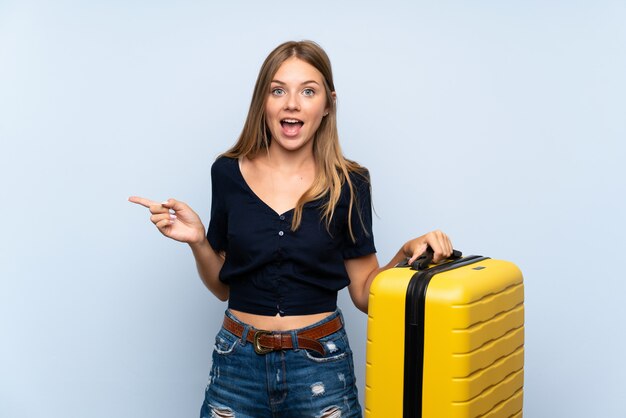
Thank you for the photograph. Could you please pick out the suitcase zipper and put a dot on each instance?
(414, 332)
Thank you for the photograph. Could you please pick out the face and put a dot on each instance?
(295, 105)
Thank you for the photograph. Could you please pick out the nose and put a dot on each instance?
(292, 102)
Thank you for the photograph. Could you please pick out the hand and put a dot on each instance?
(174, 219)
(438, 241)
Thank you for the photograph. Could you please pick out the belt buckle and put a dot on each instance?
(258, 348)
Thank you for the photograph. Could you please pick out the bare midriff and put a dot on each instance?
(279, 323)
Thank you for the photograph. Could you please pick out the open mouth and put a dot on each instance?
(290, 123)
(291, 127)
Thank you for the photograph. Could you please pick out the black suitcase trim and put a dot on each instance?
(414, 333)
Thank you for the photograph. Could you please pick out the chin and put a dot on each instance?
(291, 144)
(292, 147)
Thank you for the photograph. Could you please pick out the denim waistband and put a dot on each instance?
(335, 314)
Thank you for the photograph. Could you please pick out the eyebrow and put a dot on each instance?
(303, 83)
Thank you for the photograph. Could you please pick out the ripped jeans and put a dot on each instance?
(281, 384)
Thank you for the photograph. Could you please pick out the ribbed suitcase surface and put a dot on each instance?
(460, 354)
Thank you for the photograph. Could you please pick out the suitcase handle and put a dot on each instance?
(423, 261)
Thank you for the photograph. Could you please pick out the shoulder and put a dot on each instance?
(360, 177)
(225, 175)
(223, 166)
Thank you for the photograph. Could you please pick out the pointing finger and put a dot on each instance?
(142, 201)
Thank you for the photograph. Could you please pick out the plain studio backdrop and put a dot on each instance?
(500, 122)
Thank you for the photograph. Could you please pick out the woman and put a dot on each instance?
(290, 226)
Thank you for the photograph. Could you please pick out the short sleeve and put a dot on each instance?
(361, 220)
(218, 225)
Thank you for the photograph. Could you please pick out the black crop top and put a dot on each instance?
(269, 268)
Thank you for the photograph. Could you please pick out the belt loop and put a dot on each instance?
(244, 334)
(294, 339)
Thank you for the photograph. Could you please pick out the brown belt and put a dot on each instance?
(267, 341)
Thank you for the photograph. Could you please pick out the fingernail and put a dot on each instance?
(165, 203)
(172, 216)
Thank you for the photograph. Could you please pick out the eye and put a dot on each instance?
(277, 91)
(308, 92)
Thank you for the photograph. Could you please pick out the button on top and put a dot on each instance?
(282, 217)
(281, 233)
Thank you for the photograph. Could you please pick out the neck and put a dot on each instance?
(290, 161)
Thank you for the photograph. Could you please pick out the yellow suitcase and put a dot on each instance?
(446, 341)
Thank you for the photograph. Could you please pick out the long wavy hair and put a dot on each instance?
(332, 168)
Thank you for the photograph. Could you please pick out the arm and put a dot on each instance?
(363, 270)
(209, 263)
(184, 225)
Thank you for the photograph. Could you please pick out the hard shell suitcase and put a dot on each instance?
(446, 341)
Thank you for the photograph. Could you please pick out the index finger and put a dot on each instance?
(142, 201)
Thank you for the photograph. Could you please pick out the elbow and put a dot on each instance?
(362, 305)
(222, 293)
(360, 298)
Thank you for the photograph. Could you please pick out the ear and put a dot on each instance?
(333, 95)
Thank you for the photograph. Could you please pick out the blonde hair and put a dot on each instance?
(332, 168)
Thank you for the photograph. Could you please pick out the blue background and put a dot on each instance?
(500, 122)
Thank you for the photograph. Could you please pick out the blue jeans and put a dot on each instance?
(281, 384)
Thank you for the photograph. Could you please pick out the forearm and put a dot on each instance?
(209, 263)
(362, 300)
(363, 271)
(400, 256)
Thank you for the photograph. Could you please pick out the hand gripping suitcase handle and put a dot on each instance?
(423, 261)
